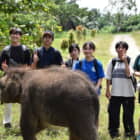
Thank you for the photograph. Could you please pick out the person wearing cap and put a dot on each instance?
(74, 52)
(121, 93)
(46, 55)
(13, 55)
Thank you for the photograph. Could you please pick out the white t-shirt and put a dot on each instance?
(121, 84)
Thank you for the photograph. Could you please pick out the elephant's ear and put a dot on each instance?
(15, 74)
(1, 83)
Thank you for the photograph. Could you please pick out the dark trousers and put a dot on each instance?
(114, 115)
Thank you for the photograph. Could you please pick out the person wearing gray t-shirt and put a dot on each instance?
(118, 77)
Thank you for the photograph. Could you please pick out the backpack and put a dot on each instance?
(12, 62)
(69, 63)
(133, 79)
(95, 65)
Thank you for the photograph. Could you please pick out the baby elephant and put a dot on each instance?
(53, 96)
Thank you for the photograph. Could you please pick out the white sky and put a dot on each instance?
(100, 4)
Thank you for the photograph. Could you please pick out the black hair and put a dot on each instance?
(123, 44)
(73, 46)
(15, 30)
(91, 45)
(48, 33)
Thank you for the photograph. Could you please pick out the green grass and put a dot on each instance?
(136, 36)
(102, 53)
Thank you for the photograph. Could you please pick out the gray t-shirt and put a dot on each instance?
(121, 84)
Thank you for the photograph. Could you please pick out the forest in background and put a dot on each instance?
(35, 16)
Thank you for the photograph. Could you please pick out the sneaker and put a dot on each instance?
(7, 125)
(129, 135)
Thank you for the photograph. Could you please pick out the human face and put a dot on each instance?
(88, 51)
(47, 41)
(121, 51)
(74, 54)
(15, 37)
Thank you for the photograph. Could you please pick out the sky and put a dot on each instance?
(100, 4)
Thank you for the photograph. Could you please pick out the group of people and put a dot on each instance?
(119, 86)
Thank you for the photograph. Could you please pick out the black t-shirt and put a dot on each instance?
(48, 57)
(17, 54)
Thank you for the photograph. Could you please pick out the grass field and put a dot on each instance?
(136, 36)
(102, 53)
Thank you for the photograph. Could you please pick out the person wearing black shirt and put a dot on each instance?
(13, 55)
(46, 55)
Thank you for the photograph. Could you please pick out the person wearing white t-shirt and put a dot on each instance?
(120, 92)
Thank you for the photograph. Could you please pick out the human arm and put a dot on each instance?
(127, 68)
(59, 59)
(100, 73)
(35, 60)
(98, 83)
(108, 80)
(4, 61)
(108, 93)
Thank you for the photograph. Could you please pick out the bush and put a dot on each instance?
(64, 44)
(109, 29)
(93, 32)
(84, 33)
(71, 38)
(79, 32)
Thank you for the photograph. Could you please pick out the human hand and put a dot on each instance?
(108, 95)
(124, 58)
(35, 58)
(4, 65)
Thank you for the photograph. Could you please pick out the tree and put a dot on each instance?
(123, 6)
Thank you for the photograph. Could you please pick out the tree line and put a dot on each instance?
(34, 16)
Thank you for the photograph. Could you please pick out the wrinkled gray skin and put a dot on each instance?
(56, 96)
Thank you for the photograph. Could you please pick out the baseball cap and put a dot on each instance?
(15, 30)
(49, 33)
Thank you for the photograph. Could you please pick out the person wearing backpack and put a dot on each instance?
(136, 68)
(121, 93)
(46, 55)
(74, 52)
(91, 66)
(13, 55)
